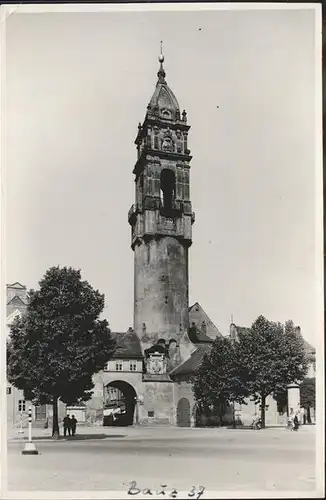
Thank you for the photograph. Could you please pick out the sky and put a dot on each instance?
(77, 84)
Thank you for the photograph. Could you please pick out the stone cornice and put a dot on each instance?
(161, 123)
(151, 155)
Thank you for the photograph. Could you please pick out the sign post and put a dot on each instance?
(30, 448)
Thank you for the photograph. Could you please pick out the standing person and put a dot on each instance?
(295, 423)
(67, 425)
(73, 425)
(302, 416)
(290, 419)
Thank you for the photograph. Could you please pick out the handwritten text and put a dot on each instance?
(194, 492)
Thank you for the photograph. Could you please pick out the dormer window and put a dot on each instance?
(166, 113)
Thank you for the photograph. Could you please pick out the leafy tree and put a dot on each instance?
(215, 383)
(308, 395)
(54, 350)
(270, 357)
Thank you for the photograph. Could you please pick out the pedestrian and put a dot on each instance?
(67, 425)
(73, 422)
(295, 423)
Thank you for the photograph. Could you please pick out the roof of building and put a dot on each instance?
(310, 350)
(17, 301)
(198, 337)
(16, 285)
(163, 99)
(242, 329)
(127, 345)
(191, 364)
(198, 316)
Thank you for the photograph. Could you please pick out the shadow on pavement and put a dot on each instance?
(80, 437)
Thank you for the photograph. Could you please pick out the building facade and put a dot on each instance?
(148, 381)
(17, 406)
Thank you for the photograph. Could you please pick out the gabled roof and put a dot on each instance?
(17, 285)
(17, 301)
(198, 315)
(190, 365)
(127, 345)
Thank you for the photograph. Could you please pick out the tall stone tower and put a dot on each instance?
(161, 219)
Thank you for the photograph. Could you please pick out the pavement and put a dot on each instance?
(220, 459)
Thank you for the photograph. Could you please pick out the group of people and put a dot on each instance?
(294, 422)
(256, 422)
(69, 425)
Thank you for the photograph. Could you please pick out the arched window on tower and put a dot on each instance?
(167, 189)
(140, 189)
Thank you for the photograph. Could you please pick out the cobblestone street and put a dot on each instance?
(219, 459)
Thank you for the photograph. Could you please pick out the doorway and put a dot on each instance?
(119, 404)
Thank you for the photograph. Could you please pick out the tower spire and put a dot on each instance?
(161, 72)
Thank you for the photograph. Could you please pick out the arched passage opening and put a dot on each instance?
(119, 404)
(183, 413)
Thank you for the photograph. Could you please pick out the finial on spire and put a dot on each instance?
(161, 56)
(161, 72)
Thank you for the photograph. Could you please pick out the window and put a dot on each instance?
(8, 390)
(151, 414)
(166, 113)
(118, 367)
(167, 188)
(21, 405)
(133, 367)
(40, 412)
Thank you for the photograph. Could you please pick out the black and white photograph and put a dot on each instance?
(162, 251)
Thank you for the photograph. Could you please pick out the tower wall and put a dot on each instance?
(161, 289)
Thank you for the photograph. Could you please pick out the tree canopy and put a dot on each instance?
(262, 361)
(216, 381)
(308, 393)
(272, 357)
(60, 343)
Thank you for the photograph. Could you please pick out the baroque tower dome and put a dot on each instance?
(163, 103)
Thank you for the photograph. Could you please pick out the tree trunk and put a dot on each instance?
(262, 411)
(55, 420)
(308, 415)
(221, 412)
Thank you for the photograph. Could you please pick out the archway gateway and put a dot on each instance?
(119, 404)
(183, 413)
